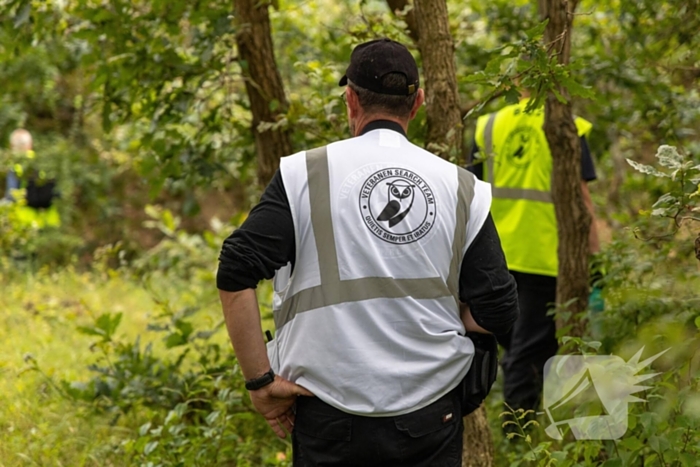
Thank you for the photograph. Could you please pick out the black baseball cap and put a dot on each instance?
(371, 61)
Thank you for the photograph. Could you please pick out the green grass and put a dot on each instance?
(38, 321)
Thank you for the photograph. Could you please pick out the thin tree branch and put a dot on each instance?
(399, 9)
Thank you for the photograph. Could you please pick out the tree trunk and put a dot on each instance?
(573, 219)
(398, 6)
(445, 138)
(442, 99)
(478, 444)
(263, 83)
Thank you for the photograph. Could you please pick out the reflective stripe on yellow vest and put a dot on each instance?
(519, 167)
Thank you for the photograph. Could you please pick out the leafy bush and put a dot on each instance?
(199, 413)
(185, 390)
(650, 289)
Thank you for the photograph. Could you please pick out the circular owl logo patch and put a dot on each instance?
(397, 205)
(522, 144)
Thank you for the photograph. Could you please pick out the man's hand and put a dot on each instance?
(275, 402)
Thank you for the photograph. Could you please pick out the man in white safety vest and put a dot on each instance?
(375, 245)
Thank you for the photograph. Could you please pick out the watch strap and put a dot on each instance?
(257, 383)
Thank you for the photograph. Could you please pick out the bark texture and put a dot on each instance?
(573, 219)
(429, 27)
(397, 6)
(478, 444)
(444, 138)
(442, 99)
(263, 83)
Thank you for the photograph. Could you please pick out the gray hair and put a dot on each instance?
(399, 106)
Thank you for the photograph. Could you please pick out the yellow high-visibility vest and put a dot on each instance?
(37, 218)
(519, 167)
(30, 217)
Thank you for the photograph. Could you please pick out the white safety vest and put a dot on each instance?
(369, 320)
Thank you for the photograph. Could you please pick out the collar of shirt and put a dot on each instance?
(382, 124)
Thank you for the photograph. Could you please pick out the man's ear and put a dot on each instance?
(353, 102)
(420, 98)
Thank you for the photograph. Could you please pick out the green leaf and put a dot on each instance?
(493, 67)
(666, 199)
(109, 323)
(512, 96)
(23, 14)
(150, 447)
(173, 416)
(577, 89)
(593, 344)
(168, 220)
(559, 95)
(612, 463)
(632, 444)
(89, 331)
(175, 339)
(478, 77)
(143, 430)
(105, 326)
(668, 156)
(645, 169)
(687, 459)
(212, 417)
(537, 31)
(659, 443)
(659, 212)
(185, 328)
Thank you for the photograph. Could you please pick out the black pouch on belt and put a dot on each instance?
(477, 383)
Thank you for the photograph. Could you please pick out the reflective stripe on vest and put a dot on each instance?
(507, 192)
(333, 290)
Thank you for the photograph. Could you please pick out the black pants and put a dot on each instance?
(430, 437)
(531, 341)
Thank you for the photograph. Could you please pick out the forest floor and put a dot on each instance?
(41, 348)
(38, 325)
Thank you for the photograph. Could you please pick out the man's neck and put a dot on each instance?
(382, 125)
(365, 120)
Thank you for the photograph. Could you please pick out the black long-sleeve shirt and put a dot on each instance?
(266, 242)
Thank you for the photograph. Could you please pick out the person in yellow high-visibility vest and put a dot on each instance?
(516, 160)
(38, 210)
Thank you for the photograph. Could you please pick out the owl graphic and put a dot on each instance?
(400, 199)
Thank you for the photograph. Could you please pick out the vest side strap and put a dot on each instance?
(465, 195)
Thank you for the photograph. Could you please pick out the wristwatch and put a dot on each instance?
(261, 382)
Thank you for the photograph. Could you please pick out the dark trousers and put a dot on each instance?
(531, 341)
(324, 436)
